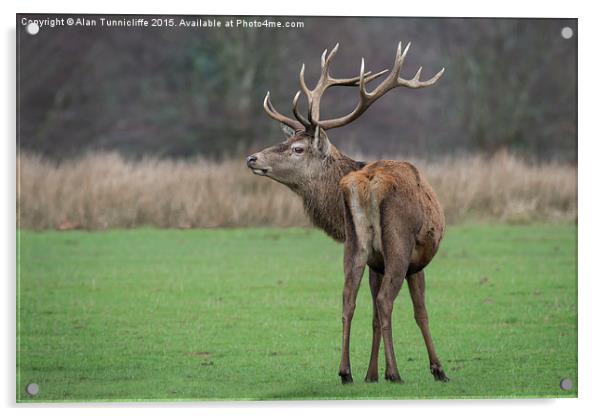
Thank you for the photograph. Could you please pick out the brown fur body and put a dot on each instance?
(385, 184)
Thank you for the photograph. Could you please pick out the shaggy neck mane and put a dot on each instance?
(322, 196)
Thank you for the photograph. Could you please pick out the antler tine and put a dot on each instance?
(308, 94)
(436, 77)
(362, 81)
(417, 76)
(416, 83)
(272, 112)
(326, 63)
(298, 116)
(399, 61)
(364, 95)
(354, 82)
(302, 82)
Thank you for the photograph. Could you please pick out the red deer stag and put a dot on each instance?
(385, 212)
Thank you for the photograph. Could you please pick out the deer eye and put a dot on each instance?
(298, 149)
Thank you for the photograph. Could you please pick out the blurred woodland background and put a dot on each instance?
(121, 127)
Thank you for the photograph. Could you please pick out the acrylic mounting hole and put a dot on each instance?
(32, 28)
(32, 389)
(566, 384)
(566, 32)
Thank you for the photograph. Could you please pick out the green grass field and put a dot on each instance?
(256, 314)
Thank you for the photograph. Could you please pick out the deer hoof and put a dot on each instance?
(371, 379)
(438, 373)
(394, 378)
(346, 378)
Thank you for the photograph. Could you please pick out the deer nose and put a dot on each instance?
(251, 159)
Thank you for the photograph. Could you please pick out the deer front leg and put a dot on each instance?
(355, 263)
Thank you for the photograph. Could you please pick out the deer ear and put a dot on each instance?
(287, 131)
(320, 141)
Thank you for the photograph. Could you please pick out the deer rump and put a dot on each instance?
(397, 191)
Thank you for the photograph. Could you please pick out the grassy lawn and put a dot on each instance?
(256, 314)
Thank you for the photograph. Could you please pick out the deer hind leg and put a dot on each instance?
(372, 374)
(355, 259)
(391, 284)
(416, 284)
(397, 246)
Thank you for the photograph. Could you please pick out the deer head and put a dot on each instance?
(300, 157)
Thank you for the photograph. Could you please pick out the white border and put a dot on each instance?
(590, 277)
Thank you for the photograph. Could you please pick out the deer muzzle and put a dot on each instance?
(252, 164)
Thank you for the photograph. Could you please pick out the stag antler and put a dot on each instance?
(326, 81)
(393, 80)
(314, 96)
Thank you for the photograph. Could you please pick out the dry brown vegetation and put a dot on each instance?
(106, 191)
